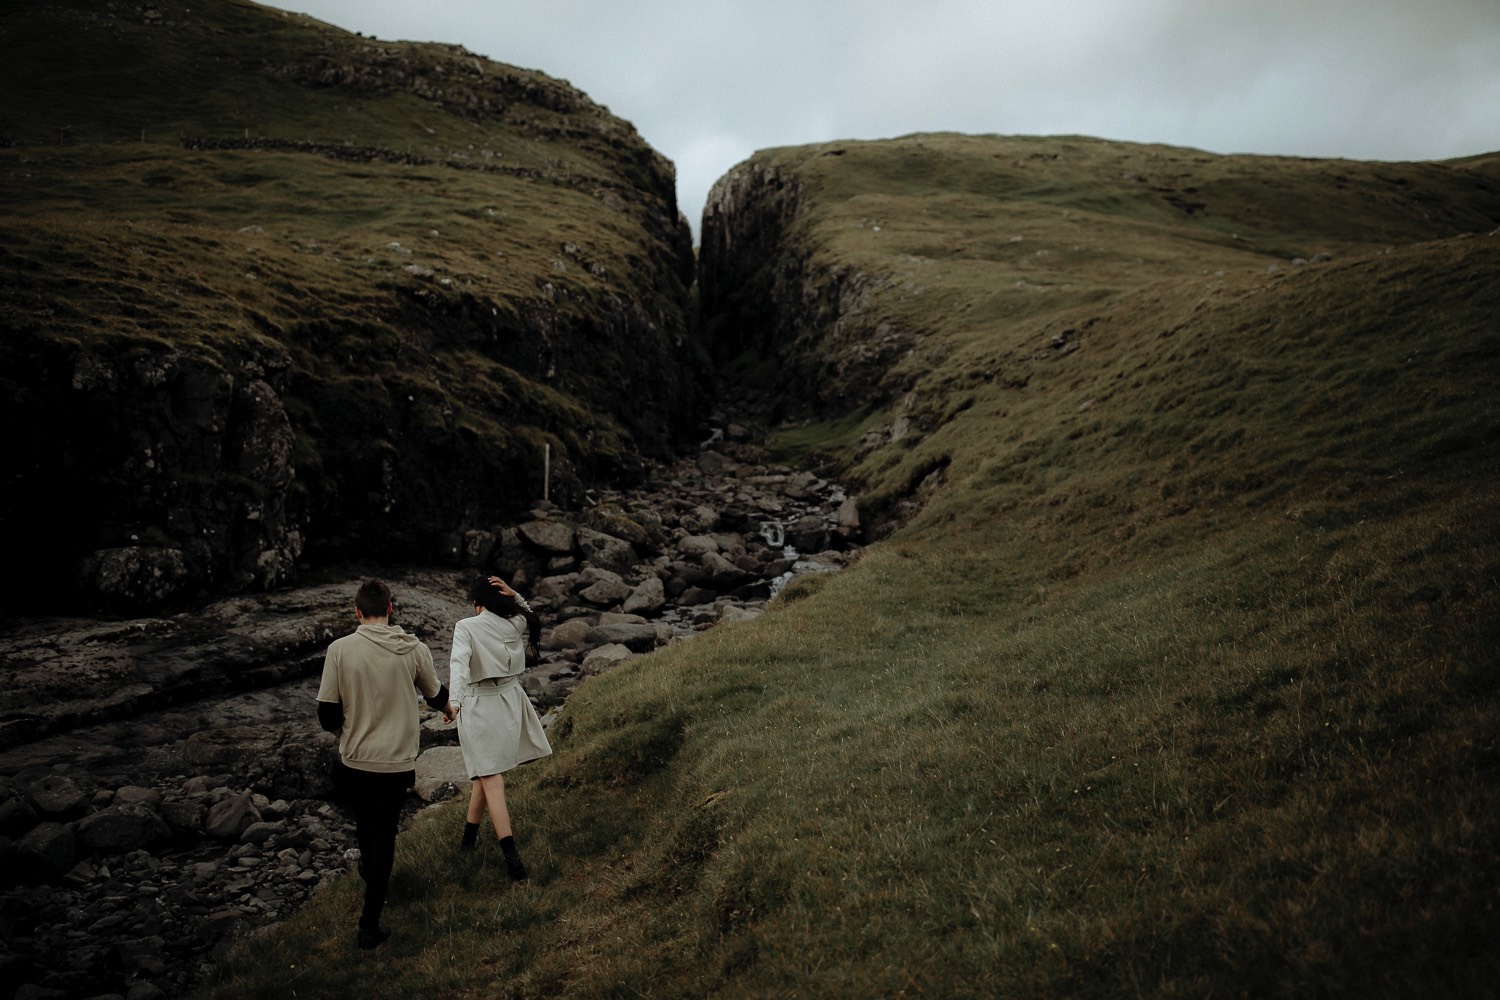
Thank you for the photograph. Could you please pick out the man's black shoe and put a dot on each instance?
(372, 938)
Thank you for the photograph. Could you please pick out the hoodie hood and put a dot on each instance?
(391, 637)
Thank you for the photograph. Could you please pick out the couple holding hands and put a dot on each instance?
(365, 698)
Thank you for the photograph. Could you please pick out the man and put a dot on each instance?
(366, 698)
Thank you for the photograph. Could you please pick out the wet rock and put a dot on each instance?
(606, 551)
(646, 598)
(231, 817)
(723, 575)
(57, 796)
(808, 533)
(261, 831)
(137, 795)
(47, 849)
(639, 638)
(571, 634)
(121, 828)
(691, 596)
(16, 816)
(183, 815)
(552, 537)
(605, 658)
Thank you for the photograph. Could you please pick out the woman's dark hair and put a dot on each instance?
(484, 594)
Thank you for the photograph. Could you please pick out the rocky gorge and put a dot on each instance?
(164, 787)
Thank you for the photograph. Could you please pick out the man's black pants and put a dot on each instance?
(375, 798)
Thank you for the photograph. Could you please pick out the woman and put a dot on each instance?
(497, 727)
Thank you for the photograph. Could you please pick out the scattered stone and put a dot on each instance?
(46, 849)
(57, 797)
(137, 795)
(605, 658)
(571, 634)
(17, 816)
(120, 828)
(551, 536)
(231, 817)
(647, 598)
(638, 638)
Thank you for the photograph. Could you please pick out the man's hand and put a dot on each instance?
(450, 712)
(502, 586)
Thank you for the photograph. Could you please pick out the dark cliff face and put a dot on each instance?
(782, 310)
(761, 303)
(278, 297)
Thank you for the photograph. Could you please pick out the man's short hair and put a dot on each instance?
(373, 599)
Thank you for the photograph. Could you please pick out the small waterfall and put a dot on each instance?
(774, 532)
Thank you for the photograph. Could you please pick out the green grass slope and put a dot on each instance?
(1176, 676)
(429, 257)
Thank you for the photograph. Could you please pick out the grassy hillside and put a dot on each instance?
(426, 256)
(1176, 676)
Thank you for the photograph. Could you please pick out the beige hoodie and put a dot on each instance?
(375, 673)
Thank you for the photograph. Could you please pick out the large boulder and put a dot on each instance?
(605, 658)
(606, 551)
(231, 816)
(571, 634)
(47, 850)
(552, 537)
(16, 816)
(441, 774)
(604, 588)
(639, 638)
(641, 529)
(809, 533)
(648, 597)
(723, 574)
(57, 796)
(121, 828)
(183, 814)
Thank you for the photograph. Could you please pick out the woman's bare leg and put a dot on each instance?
(476, 802)
(491, 792)
(494, 797)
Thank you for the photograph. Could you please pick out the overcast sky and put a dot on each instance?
(708, 82)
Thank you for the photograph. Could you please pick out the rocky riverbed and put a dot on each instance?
(164, 786)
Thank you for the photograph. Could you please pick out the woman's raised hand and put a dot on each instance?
(501, 586)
